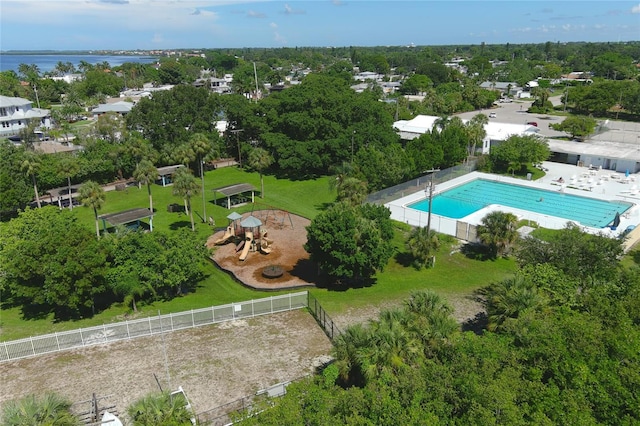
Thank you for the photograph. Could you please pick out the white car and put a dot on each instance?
(492, 115)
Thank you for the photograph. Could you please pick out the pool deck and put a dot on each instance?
(581, 181)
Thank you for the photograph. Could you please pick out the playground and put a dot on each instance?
(256, 244)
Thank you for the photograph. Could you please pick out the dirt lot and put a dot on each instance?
(214, 364)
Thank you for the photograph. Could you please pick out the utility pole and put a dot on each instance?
(237, 132)
(352, 135)
(433, 172)
(431, 187)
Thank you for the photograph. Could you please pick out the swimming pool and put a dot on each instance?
(472, 196)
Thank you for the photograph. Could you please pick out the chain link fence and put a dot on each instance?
(149, 326)
(421, 184)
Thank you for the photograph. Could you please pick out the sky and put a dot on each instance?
(178, 24)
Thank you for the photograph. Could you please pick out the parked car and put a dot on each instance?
(492, 115)
(532, 123)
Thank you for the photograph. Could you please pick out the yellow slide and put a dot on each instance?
(248, 237)
(228, 234)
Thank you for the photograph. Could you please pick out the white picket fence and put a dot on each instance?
(149, 326)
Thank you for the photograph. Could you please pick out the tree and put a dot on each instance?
(509, 298)
(578, 126)
(585, 257)
(352, 191)
(260, 160)
(476, 132)
(498, 231)
(422, 246)
(160, 409)
(15, 192)
(347, 243)
(52, 264)
(185, 185)
(32, 410)
(67, 168)
(518, 151)
(30, 166)
(146, 173)
(92, 195)
(201, 147)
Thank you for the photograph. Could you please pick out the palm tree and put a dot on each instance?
(30, 166)
(146, 173)
(431, 319)
(510, 298)
(51, 409)
(476, 131)
(66, 168)
(159, 409)
(498, 231)
(422, 244)
(353, 191)
(201, 147)
(185, 185)
(346, 353)
(341, 172)
(260, 159)
(92, 195)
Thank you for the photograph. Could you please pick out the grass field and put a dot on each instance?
(453, 274)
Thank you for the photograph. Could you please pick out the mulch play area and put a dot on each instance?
(284, 241)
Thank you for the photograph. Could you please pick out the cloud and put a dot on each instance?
(273, 25)
(636, 8)
(288, 10)
(254, 14)
(114, 1)
(337, 2)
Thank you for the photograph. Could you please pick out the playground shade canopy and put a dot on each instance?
(251, 222)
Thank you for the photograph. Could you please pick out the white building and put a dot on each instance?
(16, 113)
(495, 132)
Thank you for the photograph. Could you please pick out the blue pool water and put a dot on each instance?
(470, 197)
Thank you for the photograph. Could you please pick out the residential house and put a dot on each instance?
(16, 113)
(119, 107)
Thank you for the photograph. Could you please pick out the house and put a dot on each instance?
(120, 107)
(16, 113)
(217, 85)
(508, 88)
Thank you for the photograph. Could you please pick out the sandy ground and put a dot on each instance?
(214, 364)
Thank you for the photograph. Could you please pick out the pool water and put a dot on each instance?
(470, 197)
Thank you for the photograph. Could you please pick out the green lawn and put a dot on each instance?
(453, 273)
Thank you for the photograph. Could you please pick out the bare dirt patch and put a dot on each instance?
(215, 364)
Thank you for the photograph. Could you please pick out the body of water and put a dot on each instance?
(47, 63)
(470, 197)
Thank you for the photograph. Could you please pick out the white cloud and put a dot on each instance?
(636, 8)
(273, 25)
(288, 10)
(254, 14)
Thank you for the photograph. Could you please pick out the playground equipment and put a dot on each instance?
(228, 234)
(248, 242)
